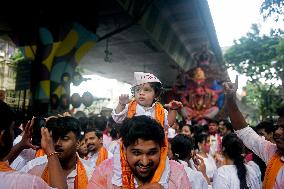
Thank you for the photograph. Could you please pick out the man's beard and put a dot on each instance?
(143, 178)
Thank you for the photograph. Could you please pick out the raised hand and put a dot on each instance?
(229, 88)
(26, 141)
(199, 164)
(123, 99)
(219, 159)
(174, 105)
(47, 141)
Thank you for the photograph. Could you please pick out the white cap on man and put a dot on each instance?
(141, 78)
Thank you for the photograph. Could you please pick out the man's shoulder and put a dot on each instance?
(102, 175)
(106, 166)
(23, 180)
(39, 161)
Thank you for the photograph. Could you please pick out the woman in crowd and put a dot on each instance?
(182, 148)
(203, 144)
(235, 174)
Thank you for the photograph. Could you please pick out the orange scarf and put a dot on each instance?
(159, 111)
(81, 179)
(39, 153)
(127, 175)
(272, 169)
(4, 166)
(102, 156)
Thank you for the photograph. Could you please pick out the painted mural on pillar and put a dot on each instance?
(200, 89)
(59, 57)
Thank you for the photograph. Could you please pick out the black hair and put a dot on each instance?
(181, 146)
(200, 129)
(141, 127)
(227, 124)
(6, 120)
(113, 128)
(110, 122)
(189, 126)
(97, 132)
(83, 122)
(6, 116)
(79, 114)
(62, 125)
(267, 125)
(157, 86)
(211, 121)
(114, 132)
(17, 131)
(200, 138)
(280, 111)
(98, 121)
(234, 148)
(91, 121)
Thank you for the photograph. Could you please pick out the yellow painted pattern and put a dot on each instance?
(68, 43)
(29, 53)
(49, 60)
(83, 50)
(45, 85)
(59, 90)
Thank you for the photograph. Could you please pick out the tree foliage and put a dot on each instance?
(273, 8)
(17, 56)
(265, 97)
(257, 56)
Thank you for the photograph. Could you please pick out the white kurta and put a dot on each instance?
(263, 148)
(16, 180)
(210, 165)
(92, 159)
(196, 178)
(24, 157)
(112, 146)
(226, 178)
(37, 166)
(215, 144)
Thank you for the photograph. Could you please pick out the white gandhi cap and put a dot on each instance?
(141, 78)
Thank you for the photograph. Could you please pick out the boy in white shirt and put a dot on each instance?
(66, 132)
(12, 179)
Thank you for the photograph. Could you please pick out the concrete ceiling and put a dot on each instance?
(163, 46)
(132, 50)
(157, 36)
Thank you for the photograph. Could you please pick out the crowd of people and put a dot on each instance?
(142, 145)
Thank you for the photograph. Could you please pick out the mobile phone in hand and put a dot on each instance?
(39, 122)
